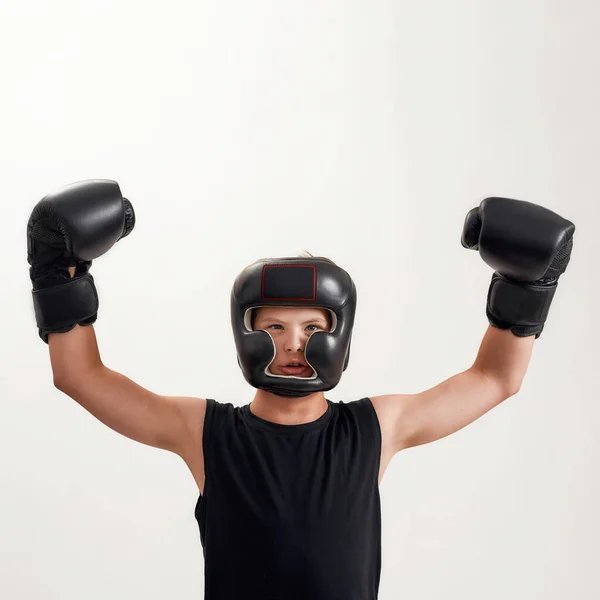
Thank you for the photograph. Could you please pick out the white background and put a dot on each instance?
(362, 131)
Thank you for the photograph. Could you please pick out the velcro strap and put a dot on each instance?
(519, 306)
(59, 308)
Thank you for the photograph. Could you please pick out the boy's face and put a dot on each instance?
(290, 327)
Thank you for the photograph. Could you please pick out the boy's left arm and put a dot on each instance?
(529, 247)
(409, 420)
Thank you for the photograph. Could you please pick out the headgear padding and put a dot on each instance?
(316, 282)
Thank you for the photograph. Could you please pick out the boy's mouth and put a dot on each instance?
(296, 368)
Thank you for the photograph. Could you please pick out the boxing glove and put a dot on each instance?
(70, 228)
(529, 247)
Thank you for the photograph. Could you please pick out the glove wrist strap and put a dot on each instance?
(519, 306)
(60, 307)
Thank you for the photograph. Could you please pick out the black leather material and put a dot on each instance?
(92, 216)
(69, 228)
(521, 307)
(294, 282)
(59, 308)
(529, 247)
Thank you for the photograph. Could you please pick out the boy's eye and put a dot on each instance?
(309, 327)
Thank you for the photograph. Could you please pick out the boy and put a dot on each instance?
(289, 499)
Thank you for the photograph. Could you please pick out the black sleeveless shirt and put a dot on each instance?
(291, 512)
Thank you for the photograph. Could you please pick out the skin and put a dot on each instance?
(290, 328)
(406, 420)
(175, 423)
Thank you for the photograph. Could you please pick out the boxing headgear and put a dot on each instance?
(302, 282)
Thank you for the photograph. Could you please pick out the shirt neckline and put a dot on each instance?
(287, 429)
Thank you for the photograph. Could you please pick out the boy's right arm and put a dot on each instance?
(66, 231)
(173, 423)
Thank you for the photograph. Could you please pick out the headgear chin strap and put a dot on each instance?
(303, 282)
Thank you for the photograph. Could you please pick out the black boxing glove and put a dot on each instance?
(529, 247)
(70, 228)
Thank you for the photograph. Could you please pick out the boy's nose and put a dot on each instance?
(295, 342)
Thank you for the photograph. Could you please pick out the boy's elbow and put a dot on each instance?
(60, 382)
(69, 381)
